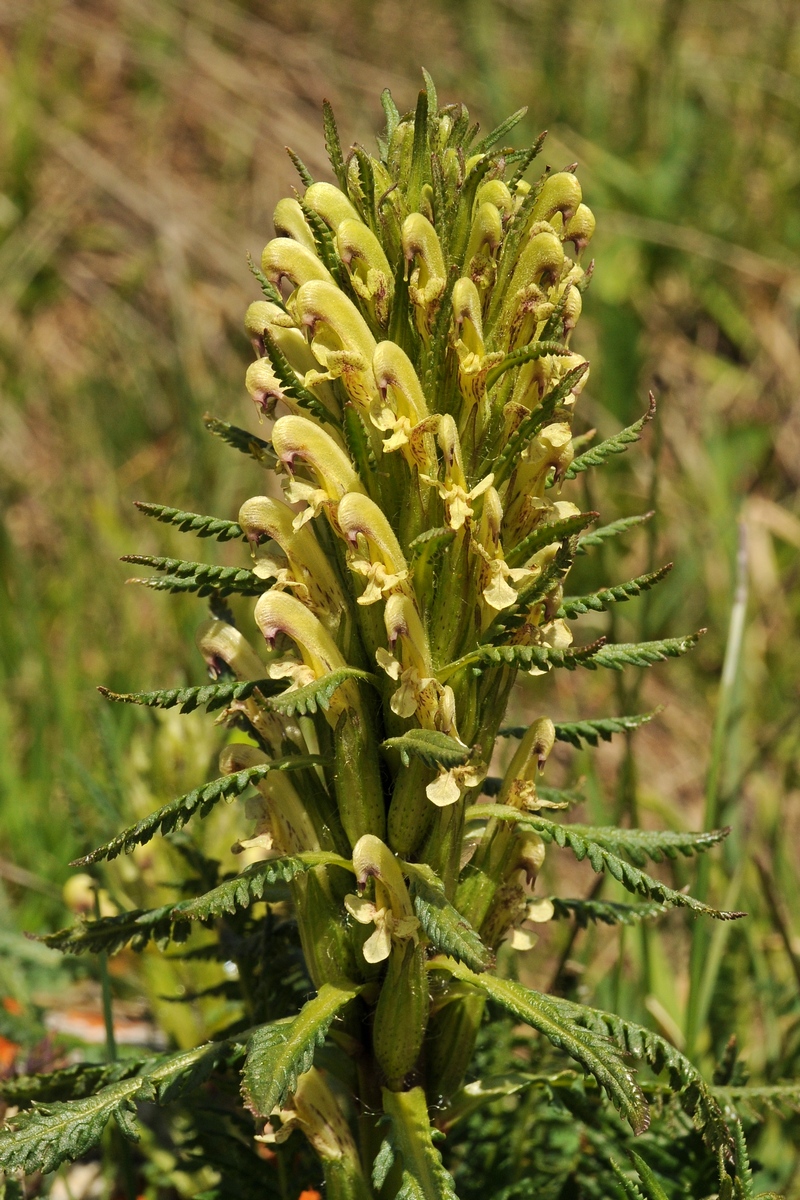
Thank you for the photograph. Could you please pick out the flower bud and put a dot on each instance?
(495, 192)
(361, 521)
(278, 612)
(224, 649)
(290, 222)
(429, 276)
(561, 193)
(368, 267)
(284, 258)
(341, 339)
(579, 229)
(328, 202)
(296, 438)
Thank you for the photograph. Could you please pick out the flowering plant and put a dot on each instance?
(413, 359)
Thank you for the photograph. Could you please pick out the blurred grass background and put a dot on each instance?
(141, 155)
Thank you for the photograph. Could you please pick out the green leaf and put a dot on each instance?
(652, 1188)
(419, 153)
(391, 113)
(546, 534)
(542, 657)
(333, 145)
(524, 354)
(203, 578)
(424, 1176)
(473, 1096)
(267, 287)
(755, 1102)
(210, 695)
(242, 440)
(170, 922)
(594, 1053)
(504, 462)
(45, 1136)
(429, 745)
(199, 801)
(431, 542)
(576, 732)
(641, 654)
(575, 606)
(593, 844)
(694, 1094)
(447, 930)
(189, 522)
(319, 693)
(499, 132)
(278, 1053)
(291, 385)
(609, 913)
(598, 536)
(656, 844)
(300, 167)
(617, 444)
(69, 1083)
(525, 159)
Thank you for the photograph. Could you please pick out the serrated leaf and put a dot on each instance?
(584, 845)
(278, 1053)
(499, 131)
(754, 1101)
(524, 354)
(543, 657)
(616, 657)
(609, 913)
(189, 522)
(211, 695)
(656, 844)
(242, 440)
(429, 745)
(504, 462)
(595, 1053)
(598, 536)
(575, 606)
(68, 1083)
(43, 1137)
(617, 444)
(576, 732)
(301, 168)
(170, 922)
(318, 694)
(333, 145)
(443, 925)
(546, 534)
(525, 159)
(652, 1188)
(291, 385)
(694, 1094)
(203, 578)
(266, 285)
(424, 1176)
(199, 801)
(431, 542)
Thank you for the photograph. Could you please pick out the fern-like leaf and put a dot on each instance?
(301, 168)
(278, 1053)
(696, 1097)
(617, 656)
(524, 354)
(189, 522)
(615, 529)
(448, 931)
(617, 444)
(291, 384)
(575, 606)
(591, 732)
(318, 694)
(43, 1137)
(199, 801)
(203, 578)
(546, 534)
(211, 695)
(499, 132)
(640, 844)
(583, 844)
(606, 911)
(242, 439)
(504, 462)
(68, 1083)
(433, 748)
(594, 1053)
(334, 146)
(170, 922)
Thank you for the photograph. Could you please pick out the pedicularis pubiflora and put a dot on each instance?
(413, 364)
